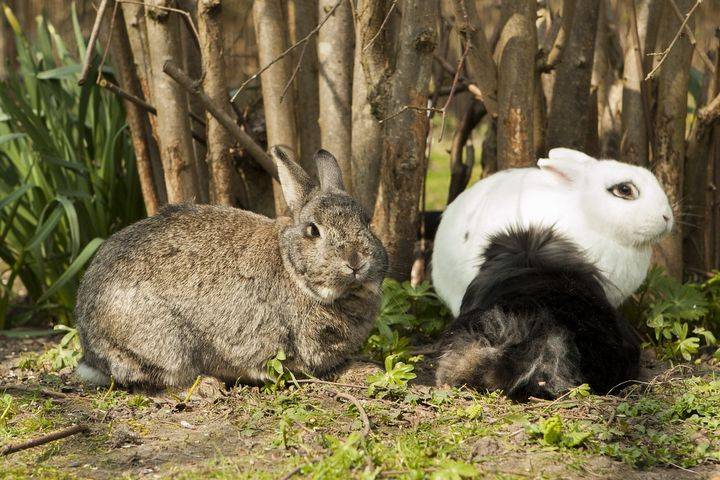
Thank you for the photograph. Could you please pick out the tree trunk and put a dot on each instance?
(219, 140)
(515, 56)
(302, 19)
(369, 99)
(173, 126)
(396, 209)
(569, 119)
(634, 134)
(137, 118)
(192, 64)
(479, 62)
(670, 131)
(135, 25)
(271, 33)
(335, 61)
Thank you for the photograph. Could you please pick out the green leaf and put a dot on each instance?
(73, 269)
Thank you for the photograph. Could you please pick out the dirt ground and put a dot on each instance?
(311, 432)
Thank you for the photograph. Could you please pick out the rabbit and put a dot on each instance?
(535, 321)
(217, 291)
(612, 210)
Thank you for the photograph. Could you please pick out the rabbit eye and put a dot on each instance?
(625, 190)
(312, 231)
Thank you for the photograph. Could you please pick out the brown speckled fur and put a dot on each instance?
(211, 290)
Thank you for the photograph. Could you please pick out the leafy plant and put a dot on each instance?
(67, 173)
(681, 317)
(553, 431)
(277, 374)
(393, 381)
(407, 314)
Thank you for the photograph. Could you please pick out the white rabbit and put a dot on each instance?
(613, 210)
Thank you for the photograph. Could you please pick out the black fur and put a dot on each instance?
(535, 322)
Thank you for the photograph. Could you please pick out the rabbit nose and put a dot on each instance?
(354, 262)
(666, 218)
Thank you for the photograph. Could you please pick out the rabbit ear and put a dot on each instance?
(569, 165)
(295, 182)
(329, 172)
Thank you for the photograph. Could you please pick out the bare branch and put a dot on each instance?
(90, 49)
(286, 52)
(683, 26)
(187, 18)
(382, 25)
(691, 36)
(710, 112)
(50, 437)
(245, 141)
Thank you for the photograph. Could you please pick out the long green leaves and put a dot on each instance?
(67, 175)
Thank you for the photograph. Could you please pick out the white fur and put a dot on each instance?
(91, 375)
(568, 191)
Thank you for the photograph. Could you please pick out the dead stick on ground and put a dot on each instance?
(360, 409)
(91, 43)
(50, 437)
(326, 382)
(245, 140)
(41, 391)
(292, 473)
(290, 49)
(665, 52)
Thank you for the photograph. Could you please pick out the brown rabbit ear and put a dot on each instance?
(295, 182)
(329, 172)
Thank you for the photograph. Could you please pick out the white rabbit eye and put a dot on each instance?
(625, 190)
(312, 231)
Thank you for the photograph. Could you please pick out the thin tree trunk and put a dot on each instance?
(369, 99)
(192, 64)
(634, 134)
(134, 16)
(515, 56)
(302, 19)
(396, 209)
(569, 118)
(136, 117)
(271, 33)
(335, 62)
(462, 170)
(173, 126)
(670, 131)
(606, 85)
(219, 140)
(479, 62)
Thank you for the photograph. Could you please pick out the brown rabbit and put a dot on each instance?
(212, 290)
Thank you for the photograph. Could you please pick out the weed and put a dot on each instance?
(393, 381)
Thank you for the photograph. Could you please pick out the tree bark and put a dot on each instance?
(136, 117)
(302, 19)
(670, 131)
(271, 33)
(396, 209)
(219, 140)
(634, 134)
(369, 99)
(335, 62)
(173, 126)
(515, 56)
(569, 121)
(479, 62)
(135, 25)
(460, 171)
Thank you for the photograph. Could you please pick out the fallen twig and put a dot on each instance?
(327, 382)
(91, 42)
(41, 391)
(50, 437)
(292, 473)
(360, 409)
(289, 49)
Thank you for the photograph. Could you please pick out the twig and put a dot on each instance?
(217, 111)
(292, 473)
(665, 52)
(191, 390)
(691, 36)
(326, 382)
(286, 52)
(50, 437)
(410, 107)
(382, 25)
(91, 42)
(295, 71)
(186, 15)
(41, 391)
(360, 409)
(452, 89)
(683, 468)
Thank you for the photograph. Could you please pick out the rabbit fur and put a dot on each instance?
(217, 291)
(572, 192)
(535, 321)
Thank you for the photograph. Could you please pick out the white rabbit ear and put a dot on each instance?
(569, 165)
(295, 182)
(329, 172)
